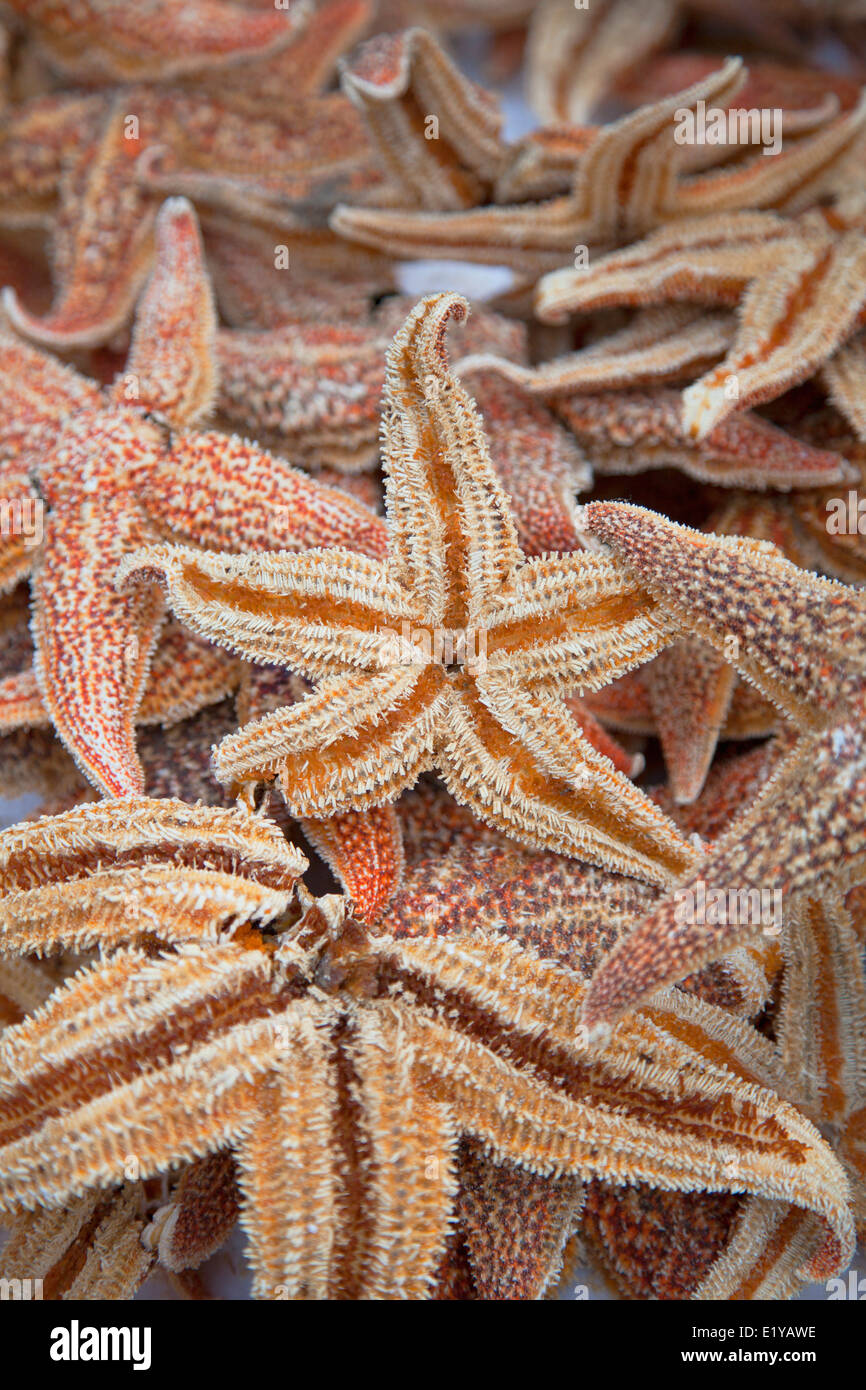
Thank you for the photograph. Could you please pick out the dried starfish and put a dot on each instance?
(387, 708)
(113, 475)
(628, 179)
(807, 824)
(113, 161)
(437, 133)
(342, 1067)
(107, 41)
(800, 285)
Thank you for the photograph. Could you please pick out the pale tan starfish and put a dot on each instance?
(476, 691)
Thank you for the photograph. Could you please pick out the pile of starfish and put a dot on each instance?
(448, 720)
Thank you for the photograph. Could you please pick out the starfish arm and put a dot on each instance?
(603, 742)
(105, 40)
(395, 80)
(199, 1217)
(355, 743)
(792, 320)
(21, 705)
(798, 176)
(844, 377)
(286, 1170)
(220, 491)
(730, 591)
(186, 675)
(560, 794)
(452, 535)
(365, 851)
(805, 827)
(771, 1249)
(319, 612)
(821, 1029)
(105, 221)
(114, 907)
(577, 620)
(751, 1134)
(410, 1199)
(138, 831)
(171, 368)
(514, 1226)
(574, 55)
(690, 688)
(632, 431)
(93, 645)
(661, 344)
(36, 140)
(37, 390)
(94, 1117)
(709, 259)
(91, 1249)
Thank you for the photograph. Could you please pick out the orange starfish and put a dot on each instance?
(453, 653)
(112, 474)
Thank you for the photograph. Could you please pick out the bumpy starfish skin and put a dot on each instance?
(438, 135)
(385, 710)
(802, 640)
(366, 1057)
(106, 40)
(113, 475)
(36, 141)
(631, 431)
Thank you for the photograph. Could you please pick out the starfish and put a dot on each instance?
(113, 474)
(629, 179)
(800, 285)
(438, 134)
(342, 1067)
(388, 707)
(107, 41)
(578, 56)
(806, 826)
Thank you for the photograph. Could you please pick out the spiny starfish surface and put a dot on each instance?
(342, 1067)
(112, 473)
(801, 640)
(498, 639)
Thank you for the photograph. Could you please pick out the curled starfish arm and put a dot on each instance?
(792, 320)
(103, 237)
(320, 612)
(355, 743)
(171, 368)
(773, 1250)
(106, 41)
(690, 688)
(730, 591)
(399, 81)
(219, 491)
(199, 1216)
(522, 764)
